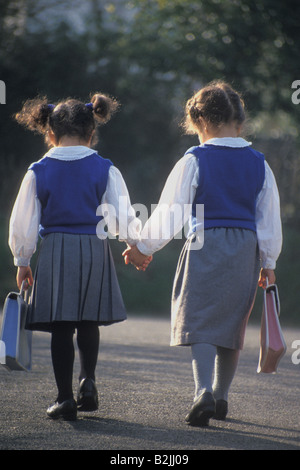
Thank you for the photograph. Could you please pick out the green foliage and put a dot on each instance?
(151, 55)
(287, 280)
(288, 269)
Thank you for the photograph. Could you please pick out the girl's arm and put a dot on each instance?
(24, 222)
(174, 207)
(24, 227)
(268, 226)
(119, 215)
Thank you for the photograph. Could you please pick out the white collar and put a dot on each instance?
(75, 152)
(228, 142)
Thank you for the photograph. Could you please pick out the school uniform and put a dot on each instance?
(75, 278)
(215, 285)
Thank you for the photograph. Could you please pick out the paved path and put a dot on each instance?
(146, 388)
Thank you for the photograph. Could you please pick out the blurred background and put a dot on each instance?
(152, 55)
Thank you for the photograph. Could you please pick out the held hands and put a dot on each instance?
(133, 256)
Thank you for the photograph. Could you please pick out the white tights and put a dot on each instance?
(214, 368)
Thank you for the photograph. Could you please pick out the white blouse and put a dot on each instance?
(180, 189)
(26, 213)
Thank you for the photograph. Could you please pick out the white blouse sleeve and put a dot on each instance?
(118, 213)
(174, 207)
(268, 221)
(24, 222)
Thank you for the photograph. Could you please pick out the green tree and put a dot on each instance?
(176, 46)
(151, 55)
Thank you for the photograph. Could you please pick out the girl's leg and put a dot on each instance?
(225, 368)
(88, 344)
(62, 352)
(208, 361)
(88, 339)
(226, 365)
(203, 361)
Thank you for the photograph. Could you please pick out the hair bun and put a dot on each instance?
(195, 112)
(217, 103)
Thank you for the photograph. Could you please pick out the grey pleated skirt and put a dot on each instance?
(75, 280)
(214, 289)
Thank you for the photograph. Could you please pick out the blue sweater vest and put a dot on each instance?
(70, 192)
(230, 180)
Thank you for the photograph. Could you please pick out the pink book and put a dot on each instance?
(272, 344)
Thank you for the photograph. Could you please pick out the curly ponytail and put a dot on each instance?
(103, 107)
(35, 114)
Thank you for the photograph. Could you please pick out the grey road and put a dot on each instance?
(146, 388)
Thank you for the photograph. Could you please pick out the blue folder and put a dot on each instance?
(16, 340)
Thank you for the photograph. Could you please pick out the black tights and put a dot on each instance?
(62, 352)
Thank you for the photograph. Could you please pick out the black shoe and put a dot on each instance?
(202, 410)
(221, 410)
(66, 410)
(87, 397)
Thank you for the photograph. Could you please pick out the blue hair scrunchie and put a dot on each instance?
(89, 105)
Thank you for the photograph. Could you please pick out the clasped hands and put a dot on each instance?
(133, 256)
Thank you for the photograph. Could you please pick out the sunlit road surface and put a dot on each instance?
(146, 388)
